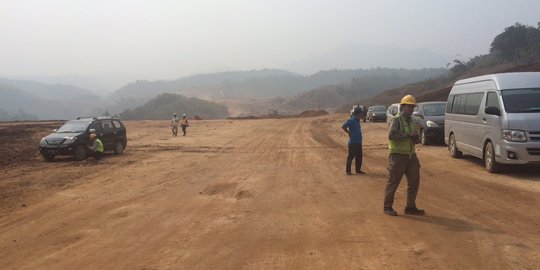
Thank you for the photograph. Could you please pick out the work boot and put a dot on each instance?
(348, 173)
(390, 211)
(414, 211)
(360, 172)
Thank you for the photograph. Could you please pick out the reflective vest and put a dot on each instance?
(403, 146)
(98, 145)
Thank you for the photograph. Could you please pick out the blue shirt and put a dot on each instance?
(355, 130)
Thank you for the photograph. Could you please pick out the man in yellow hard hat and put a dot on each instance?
(96, 146)
(402, 136)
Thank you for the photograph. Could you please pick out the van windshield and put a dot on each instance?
(521, 100)
(434, 109)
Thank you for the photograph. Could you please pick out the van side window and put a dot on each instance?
(492, 100)
(449, 104)
(459, 104)
(464, 103)
(473, 103)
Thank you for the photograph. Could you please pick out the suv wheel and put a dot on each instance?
(118, 147)
(48, 157)
(80, 153)
(489, 159)
(452, 147)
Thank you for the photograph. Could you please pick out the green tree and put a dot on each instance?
(518, 43)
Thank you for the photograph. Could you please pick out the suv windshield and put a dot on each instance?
(73, 127)
(434, 109)
(378, 109)
(521, 100)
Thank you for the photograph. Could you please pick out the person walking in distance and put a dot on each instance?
(184, 123)
(174, 124)
(95, 146)
(402, 136)
(354, 130)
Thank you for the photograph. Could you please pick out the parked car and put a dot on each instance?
(496, 118)
(376, 113)
(73, 137)
(430, 116)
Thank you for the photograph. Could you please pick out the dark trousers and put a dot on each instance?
(97, 155)
(398, 165)
(355, 152)
(184, 129)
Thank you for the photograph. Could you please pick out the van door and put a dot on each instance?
(471, 122)
(491, 128)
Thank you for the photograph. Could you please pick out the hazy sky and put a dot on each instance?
(170, 39)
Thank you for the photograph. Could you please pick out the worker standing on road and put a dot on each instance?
(184, 123)
(96, 146)
(402, 136)
(353, 128)
(174, 124)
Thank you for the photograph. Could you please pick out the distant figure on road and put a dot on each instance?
(402, 136)
(174, 124)
(184, 123)
(96, 146)
(353, 128)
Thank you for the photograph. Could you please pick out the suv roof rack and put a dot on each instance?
(94, 117)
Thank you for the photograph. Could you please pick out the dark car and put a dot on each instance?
(73, 137)
(376, 113)
(430, 115)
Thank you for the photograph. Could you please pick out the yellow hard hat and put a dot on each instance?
(408, 99)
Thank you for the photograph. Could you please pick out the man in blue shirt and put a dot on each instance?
(353, 128)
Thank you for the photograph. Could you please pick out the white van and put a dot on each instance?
(496, 118)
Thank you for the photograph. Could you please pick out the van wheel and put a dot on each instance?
(48, 158)
(423, 137)
(489, 159)
(452, 147)
(118, 147)
(80, 153)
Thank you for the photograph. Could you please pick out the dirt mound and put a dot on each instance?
(312, 113)
(19, 140)
(308, 113)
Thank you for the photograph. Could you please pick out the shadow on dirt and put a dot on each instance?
(523, 172)
(452, 224)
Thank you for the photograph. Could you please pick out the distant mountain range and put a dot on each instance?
(43, 101)
(329, 88)
(256, 84)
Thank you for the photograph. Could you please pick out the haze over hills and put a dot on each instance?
(363, 55)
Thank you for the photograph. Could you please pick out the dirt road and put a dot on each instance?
(263, 194)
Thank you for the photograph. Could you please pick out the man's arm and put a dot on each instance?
(393, 131)
(344, 127)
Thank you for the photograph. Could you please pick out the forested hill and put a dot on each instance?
(266, 83)
(360, 88)
(517, 49)
(164, 105)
